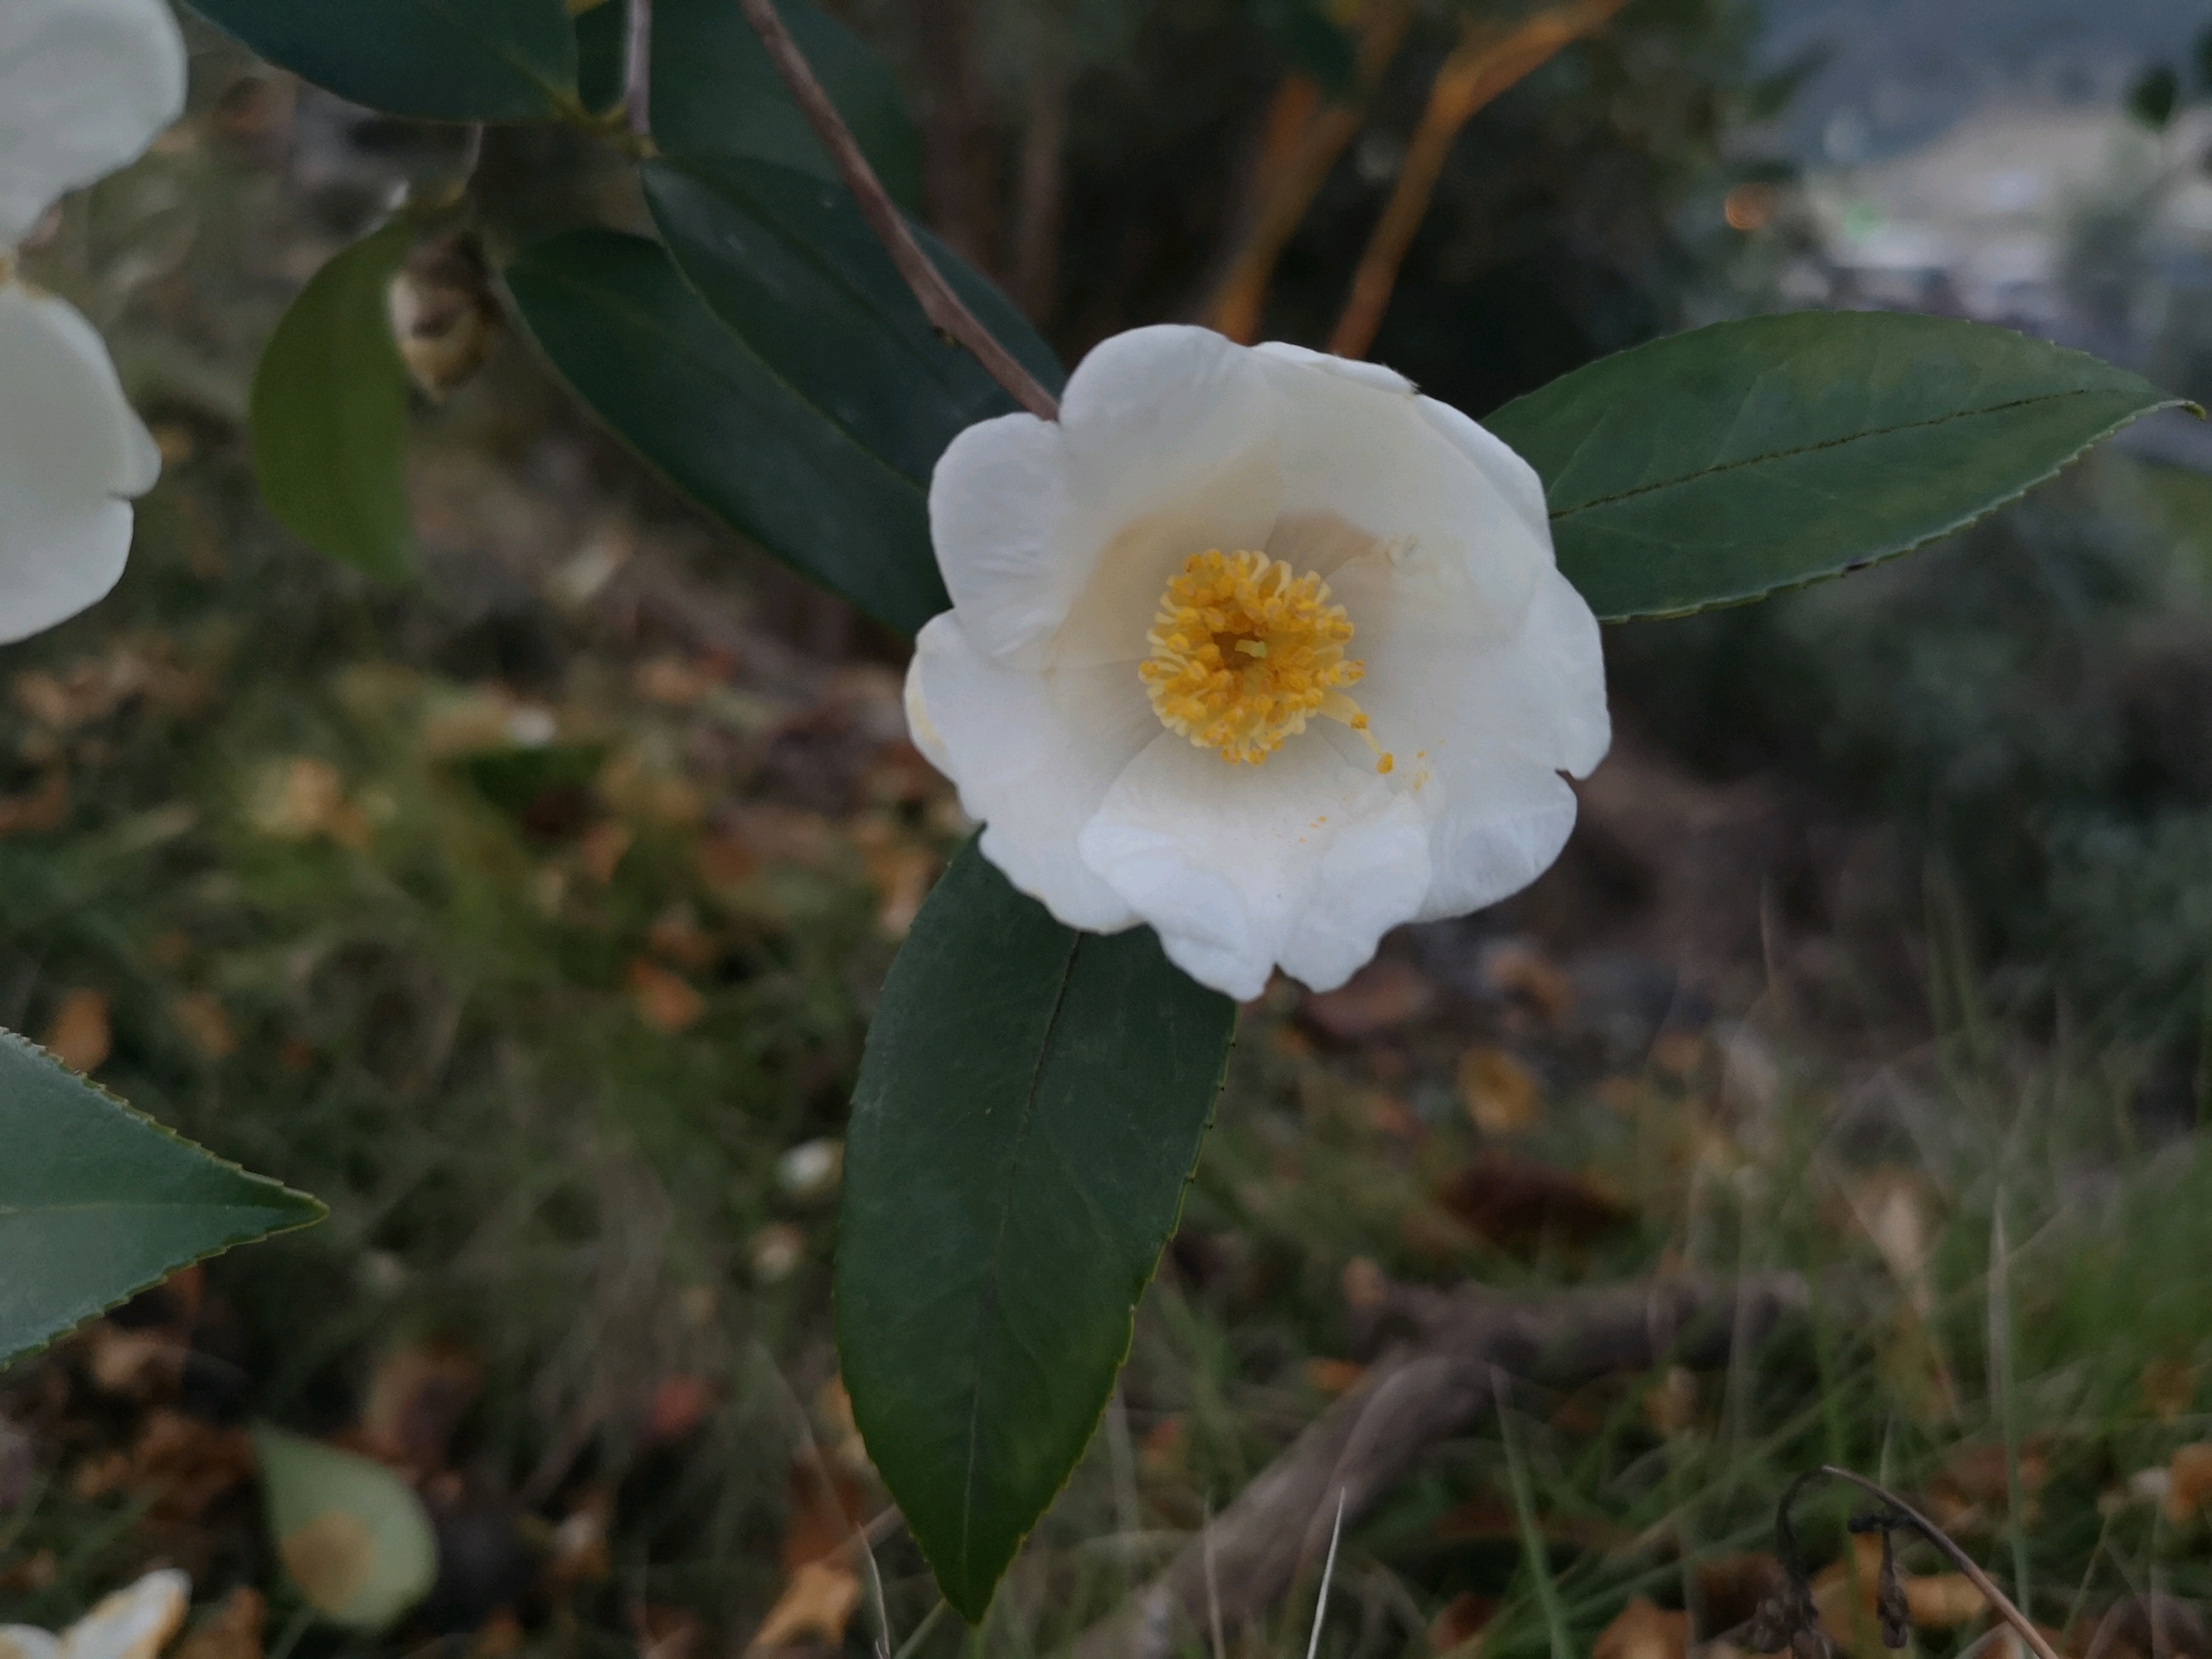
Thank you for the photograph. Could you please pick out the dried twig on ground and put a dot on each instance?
(1432, 1380)
(1485, 63)
(945, 310)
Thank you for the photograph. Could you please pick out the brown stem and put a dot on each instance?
(1301, 150)
(637, 68)
(1484, 65)
(2037, 1642)
(944, 309)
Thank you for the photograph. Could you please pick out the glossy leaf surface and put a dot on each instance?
(97, 1202)
(330, 413)
(640, 348)
(1029, 1111)
(443, 60)
(1724, 464)
(788, 264)
(716, 94)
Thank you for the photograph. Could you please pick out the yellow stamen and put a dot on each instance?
(1245, 651)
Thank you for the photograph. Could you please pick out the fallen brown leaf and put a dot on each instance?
(1334, 1377)
(2189, 1481)
(41, 810)
(1644, 1630)
(817, 1603)
(665, 1002)
(1516, 1203)
(1497, 1091)
(1458, 1627)
(179, 1465)
(78, 1035)
(417, 1395)
(1517, 968)
(1733, 1587)
(1383, 996)
(200, 1016)
(1944, 1600)
(2168, 1386)
(600, 851)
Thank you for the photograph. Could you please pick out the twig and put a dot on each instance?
(637, 68)
(1485, 65)
(1432, 1380)
(944, 309)
(1302, 147)
(1901, 1511)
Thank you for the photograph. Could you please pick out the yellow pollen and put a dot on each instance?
(1245, 651)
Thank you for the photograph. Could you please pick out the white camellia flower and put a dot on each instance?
(85, 87)
(1259, 646)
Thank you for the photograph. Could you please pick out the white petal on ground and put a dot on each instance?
(1166, 446)
(85, 86)
(1033, 754)
(1304, 861)
(71, 448)
(136, 1622)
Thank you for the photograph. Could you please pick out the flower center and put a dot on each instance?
(1245, 651)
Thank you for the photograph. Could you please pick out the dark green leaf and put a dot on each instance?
(352, 1534)
(1303, 34)
(616, 319)
(97, 1202)
(1028, 1110)
(1724, 464)
(715, 93)
(443, 60)
(2152, 99)
(329, 412)
(787, 263)
(603, 55)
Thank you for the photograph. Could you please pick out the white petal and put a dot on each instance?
(1033, 755)
(1516, 480)
(71, 445)
(1351, 369)
(1442, 680)
(1501, 820)
(1167, 445)
(28, 1642)
(1304, 861)
(85, 86)
(1368, 454)
(136, 1622)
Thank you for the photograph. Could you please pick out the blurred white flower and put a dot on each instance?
(85, 87)
(1259, 646)
(135, 1623)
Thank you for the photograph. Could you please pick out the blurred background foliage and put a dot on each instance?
(531, 914)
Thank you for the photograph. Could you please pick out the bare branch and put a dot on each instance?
(1433, 1380)
(637, 68)
(944, 309)
(1483, 65)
